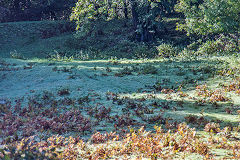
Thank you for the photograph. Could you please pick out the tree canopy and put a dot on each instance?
(205, 17)
(28, 10)
(146, 15)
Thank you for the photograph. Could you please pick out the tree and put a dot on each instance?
(24, 10)
(204, 17)
(4, 14)
(146, 15)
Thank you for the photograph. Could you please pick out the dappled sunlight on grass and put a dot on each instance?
(85, 99)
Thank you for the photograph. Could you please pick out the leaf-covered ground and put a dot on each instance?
(182, 108)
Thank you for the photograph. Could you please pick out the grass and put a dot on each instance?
(46, 38)
(145, 108)
(166, 100)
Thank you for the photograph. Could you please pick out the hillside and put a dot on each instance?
(78, 96)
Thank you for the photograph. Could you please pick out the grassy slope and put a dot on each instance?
(32, 39)
(110, 39)
(40, 39)
(98, 78)
(99, 82)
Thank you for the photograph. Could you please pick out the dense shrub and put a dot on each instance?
(222, 45)
(167, 50)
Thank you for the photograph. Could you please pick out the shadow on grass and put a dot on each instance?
(96, 86)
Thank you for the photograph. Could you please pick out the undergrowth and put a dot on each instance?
(136, 143)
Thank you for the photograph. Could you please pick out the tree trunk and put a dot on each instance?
(16, 5)
(125, 9)
(134, 13)
(145, 35)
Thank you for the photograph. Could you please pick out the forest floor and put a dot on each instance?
(45, 100)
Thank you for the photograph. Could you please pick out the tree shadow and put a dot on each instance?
(135, 98)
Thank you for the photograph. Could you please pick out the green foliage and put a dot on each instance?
(224, 45)
(129, 49)
(143, 51)
(209, 16)
(146, 14)
(167, 50)
(187, 54)
(59, 57)
(35, 10)
(88, 10)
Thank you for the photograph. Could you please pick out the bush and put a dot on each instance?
(210, 47)
(144, 51)
(223, 45)
(167, 50)
(187, 53)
